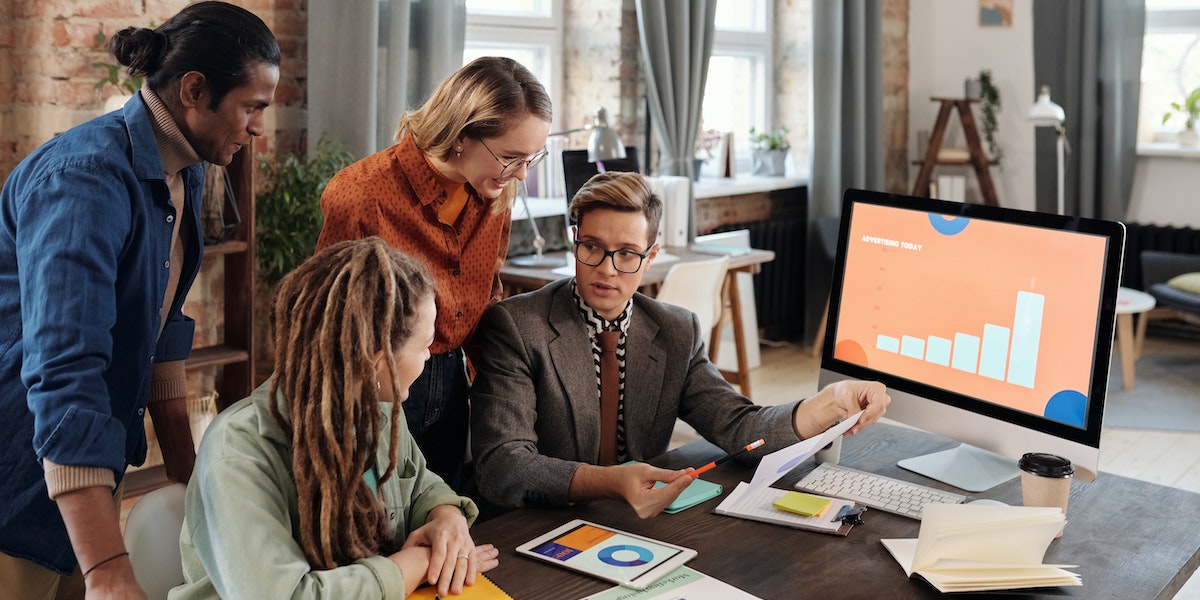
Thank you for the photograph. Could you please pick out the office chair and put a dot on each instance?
(697, 286)
(152, 538)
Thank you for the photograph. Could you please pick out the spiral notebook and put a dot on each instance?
(756, 505)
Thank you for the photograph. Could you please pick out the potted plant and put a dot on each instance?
(287, 216)
(1190, 109)
(770, 151)
(113, 76)
(989, 96)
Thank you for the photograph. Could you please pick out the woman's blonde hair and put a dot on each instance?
(330, 317)
(484, 99)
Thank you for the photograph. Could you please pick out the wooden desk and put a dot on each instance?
(1132, 539)
(518, 279)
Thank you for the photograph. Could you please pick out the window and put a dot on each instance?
(1170, 65)
(527, 31)
(736, 94)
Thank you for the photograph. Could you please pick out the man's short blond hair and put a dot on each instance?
(622, 192)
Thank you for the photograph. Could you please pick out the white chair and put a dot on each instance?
(697, 286)
(152, 538)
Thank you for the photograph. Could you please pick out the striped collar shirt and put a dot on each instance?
(595, 324)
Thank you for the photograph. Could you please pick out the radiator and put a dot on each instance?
(1183, 240)
(779, 287)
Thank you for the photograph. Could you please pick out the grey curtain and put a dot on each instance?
(847, 92)
(1090, 54)
(677, 37)
(374, 60)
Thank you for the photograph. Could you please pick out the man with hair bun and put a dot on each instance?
(99, 243)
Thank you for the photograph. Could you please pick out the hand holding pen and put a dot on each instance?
(746, 448)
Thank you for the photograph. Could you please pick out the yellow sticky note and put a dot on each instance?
(802, 504)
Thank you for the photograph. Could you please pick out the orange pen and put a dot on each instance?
(746, 448)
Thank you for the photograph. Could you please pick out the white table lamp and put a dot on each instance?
(1045, 113)
(603, 144)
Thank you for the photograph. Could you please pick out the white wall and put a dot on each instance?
(946, 46)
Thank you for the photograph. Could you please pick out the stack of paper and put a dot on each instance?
(682, 583)
(971, 548)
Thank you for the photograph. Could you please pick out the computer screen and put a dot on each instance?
(989, 325)
(577, 170)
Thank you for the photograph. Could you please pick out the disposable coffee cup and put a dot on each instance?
(831, 453)
(1045, 480)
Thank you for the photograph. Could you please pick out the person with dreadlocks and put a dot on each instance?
(312, 487)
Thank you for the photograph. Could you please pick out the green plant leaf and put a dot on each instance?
(288, 216)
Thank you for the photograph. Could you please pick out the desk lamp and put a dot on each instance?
(604, 144)
(1045, 113)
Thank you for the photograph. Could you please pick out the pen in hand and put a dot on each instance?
(746, 448)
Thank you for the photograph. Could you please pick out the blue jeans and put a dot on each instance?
(437, 415)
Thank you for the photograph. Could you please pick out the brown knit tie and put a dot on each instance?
(610, 389)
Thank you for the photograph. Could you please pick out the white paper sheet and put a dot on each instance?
(778, 463)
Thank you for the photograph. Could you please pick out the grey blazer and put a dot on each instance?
(535, 410)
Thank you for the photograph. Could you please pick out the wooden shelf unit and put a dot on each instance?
(976, 158)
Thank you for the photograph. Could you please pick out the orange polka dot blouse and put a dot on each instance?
(396, 195)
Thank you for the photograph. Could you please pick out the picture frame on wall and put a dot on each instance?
(995, 13)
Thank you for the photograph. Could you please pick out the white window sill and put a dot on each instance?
(1168, 150)
(711, 187)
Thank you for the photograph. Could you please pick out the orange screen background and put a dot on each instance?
(956, 284)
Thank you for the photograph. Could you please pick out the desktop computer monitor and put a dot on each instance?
(988, 325)
(577, 170)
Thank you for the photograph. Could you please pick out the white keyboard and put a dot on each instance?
(875, 491)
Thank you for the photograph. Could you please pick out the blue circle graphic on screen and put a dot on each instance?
(644, 556)
(946, 226)
(1067, 406)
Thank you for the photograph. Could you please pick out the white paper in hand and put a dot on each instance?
(779, 462)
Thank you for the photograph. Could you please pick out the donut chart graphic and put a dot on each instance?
(644, 556)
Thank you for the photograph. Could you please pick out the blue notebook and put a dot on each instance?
(699, 491)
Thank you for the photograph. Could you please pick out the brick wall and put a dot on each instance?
(47, 48)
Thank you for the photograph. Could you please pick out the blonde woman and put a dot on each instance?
(312, 487)
(443, 194)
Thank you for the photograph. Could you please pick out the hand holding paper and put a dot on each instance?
(778, 463)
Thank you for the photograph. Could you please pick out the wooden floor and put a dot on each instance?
(789, 372)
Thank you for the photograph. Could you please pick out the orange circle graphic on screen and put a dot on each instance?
(851, 352)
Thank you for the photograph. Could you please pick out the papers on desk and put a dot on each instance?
(680, 583)
(969, 548)
(568, 270)
(778, 463)
(757, 505)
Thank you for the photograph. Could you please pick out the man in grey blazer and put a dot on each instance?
(536, 424)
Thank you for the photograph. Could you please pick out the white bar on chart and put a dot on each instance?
(937, 351)
(912, 347)
(994, 352)
(966, 352)
(1027, 334)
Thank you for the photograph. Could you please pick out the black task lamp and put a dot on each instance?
(604, 144)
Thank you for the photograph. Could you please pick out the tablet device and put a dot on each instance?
(609, 554)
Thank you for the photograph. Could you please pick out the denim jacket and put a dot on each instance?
(85, 243)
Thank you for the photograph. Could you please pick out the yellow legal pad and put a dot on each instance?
(802, 504)
(484, 589)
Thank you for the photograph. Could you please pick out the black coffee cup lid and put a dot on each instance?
(1046, 465)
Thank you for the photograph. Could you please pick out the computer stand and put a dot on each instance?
(965, 467)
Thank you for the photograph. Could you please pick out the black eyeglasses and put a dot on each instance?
(512, 167)
(593, 255)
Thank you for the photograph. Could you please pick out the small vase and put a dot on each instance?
(973, 89)
(1189, 138)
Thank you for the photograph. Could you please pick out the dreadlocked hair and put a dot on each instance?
(330, 317)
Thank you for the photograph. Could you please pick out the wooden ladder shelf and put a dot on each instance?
(975, 149)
